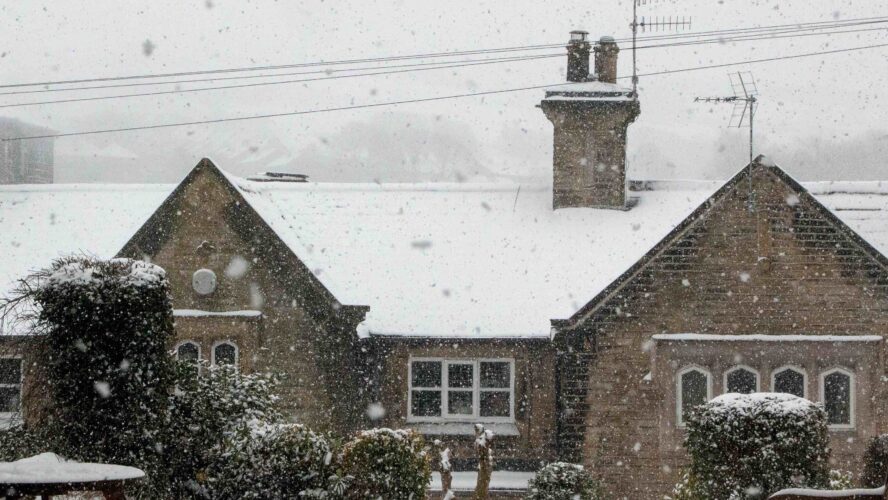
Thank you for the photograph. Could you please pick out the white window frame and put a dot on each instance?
(758, 377)
(476, 390)
(678, 389)
(852, 400)
(225, 342)
(795, 368)
(6, 417)
(195, 344)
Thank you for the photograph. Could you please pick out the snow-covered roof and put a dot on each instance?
(429, 259)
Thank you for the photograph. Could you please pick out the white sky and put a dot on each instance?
(820, 117)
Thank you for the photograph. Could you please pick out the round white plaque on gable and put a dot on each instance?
(203, 281)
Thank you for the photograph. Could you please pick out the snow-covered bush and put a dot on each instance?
(563, 481)
(22, 442)
(751, 445)
(387, 463)
(105, 327)
(840, 480)
(875, 462)
(266, 461)
(206, 411)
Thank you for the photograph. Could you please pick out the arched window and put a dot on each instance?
(742, 379)
(837, 395)
(188, 351)
(224, 353)
(789, 380)
(694, 388)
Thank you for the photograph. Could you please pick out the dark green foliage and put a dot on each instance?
(386, 463)
(563, 481)
(875, 462)
(265, 461)
(749, 446)
(105, 329)
(207, 411)
(22, 442)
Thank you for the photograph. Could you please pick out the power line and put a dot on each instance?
(426, 99)
(809, 25)
(286, 66)
(415, 66)
(327, 71)
(752, 38)
(262, 84)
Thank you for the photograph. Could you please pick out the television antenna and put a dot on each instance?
(745, 101)
(656, 23)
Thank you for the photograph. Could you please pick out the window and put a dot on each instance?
(741, 379)
(188, 351)
(694, 388)
(837, 394)
(442, 389)
(224, 353)
(10, 386)
(789, 380)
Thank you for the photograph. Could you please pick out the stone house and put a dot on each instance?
(579, 320)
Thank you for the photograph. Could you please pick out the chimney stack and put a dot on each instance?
(578, 56)
(606, 59)
(591, 115)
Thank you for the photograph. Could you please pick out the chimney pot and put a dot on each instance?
(578, 50)
(606, 59)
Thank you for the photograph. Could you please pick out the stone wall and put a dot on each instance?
(787, 267)
(534, 395)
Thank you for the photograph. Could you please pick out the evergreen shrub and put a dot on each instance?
(387, 463)
(748, 446)
(563, 481)
(875, 462)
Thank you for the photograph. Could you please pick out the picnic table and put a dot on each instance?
(48, 474)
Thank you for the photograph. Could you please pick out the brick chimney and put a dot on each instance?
(591, 115)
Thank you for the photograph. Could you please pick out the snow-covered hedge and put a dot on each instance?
(561, 480)
(748, 446)
(387, 463)
(875, 462)
(276, 461)
(206, 411)
(106, 327)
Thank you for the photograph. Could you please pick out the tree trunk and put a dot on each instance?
(483, 443)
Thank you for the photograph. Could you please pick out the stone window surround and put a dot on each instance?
(809, 354)
(795, 368)
(853, 398)
(758, 375)
(225, 342)
(7, 419)
(475, 390)
(188, 341)
(821, 386)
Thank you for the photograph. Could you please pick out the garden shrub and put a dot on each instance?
(206, 411)
(563, 481)
(751, 445)
(840, 480)
(276, 461)
(387, 463)
(21, 441)
(105, 327)
(875, 462)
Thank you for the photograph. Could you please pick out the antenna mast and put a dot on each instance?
(667, 24)
(745, 101)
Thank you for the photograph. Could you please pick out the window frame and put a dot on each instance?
(225, 342)
(852, 399)
(795, 368)
(758, 377)
(679, 414)
(192, 342)
(8, 417)
(476, 390)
